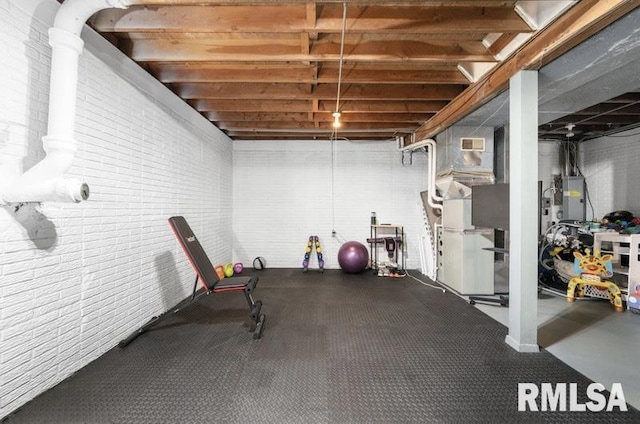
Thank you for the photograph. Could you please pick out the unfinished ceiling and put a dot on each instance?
(279, 70)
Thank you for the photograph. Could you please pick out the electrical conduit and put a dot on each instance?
(45, 181)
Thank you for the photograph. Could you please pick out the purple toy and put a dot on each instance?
(238, 268)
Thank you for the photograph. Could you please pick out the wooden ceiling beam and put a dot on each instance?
(258, 116)
(283, 50)
(312, 17)
(251, 105)
(385, 106)
(501, 43)
(399, 127)
(220, 37)
(306, 106)
(576, 25)
(406, 50)
(316, 117)
(275, 91)
(421, 19)
(270, 18)
(194, 72)
(320, 136)
(170, 72)
(391, 76)
(434, 3)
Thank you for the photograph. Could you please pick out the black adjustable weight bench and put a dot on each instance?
(206, 274)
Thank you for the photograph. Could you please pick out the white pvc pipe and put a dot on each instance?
(45, 181)
(432, 179)
(73, 14)
(432, 198)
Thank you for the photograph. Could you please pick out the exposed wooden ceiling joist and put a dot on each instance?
(435, 3)
(277, 106)
(400, 127)
(269, 91)
(315, 117)
(269, 68)
(319, 134)
(360, 73)
(286, 50)
(268, 18)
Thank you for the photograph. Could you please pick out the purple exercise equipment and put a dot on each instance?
(353, 257)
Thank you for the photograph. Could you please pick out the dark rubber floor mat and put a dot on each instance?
(336, 348)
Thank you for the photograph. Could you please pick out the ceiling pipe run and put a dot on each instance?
(45, 181)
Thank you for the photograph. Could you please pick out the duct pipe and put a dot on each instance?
(431, 144)
(46, 181)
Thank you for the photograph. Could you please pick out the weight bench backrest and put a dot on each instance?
(194, 251)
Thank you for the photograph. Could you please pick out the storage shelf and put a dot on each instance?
(620, 270)
(613, 246)
(378, 233)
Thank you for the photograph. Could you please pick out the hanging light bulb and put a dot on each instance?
(336, 120)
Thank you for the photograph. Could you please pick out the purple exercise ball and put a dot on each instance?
(353, 257)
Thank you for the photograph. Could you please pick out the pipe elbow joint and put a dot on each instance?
(72, 190)
(56, 189)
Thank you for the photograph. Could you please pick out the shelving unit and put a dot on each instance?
(625, 249)
(378, 233)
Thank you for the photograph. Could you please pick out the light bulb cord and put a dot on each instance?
(344, 26)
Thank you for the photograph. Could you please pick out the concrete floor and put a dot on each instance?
(590, 337)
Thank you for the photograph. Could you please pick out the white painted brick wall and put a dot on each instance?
(75, 279)
(610, 166)
(548, 165)
(282, 193)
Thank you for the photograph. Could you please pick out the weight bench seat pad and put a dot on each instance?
(200, 261)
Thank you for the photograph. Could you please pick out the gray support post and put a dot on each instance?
(523, 207)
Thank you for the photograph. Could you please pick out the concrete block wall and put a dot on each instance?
(610, 167)
(284, 191)
(77, 278)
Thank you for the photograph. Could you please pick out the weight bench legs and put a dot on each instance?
(255, 307)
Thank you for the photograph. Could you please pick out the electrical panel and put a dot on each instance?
(573, 198)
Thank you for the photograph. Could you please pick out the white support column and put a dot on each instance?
(523, 212)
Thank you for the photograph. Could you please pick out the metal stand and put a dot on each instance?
(502, 300)
(392, 240)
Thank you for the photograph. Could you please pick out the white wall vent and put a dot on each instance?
(470, 144)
